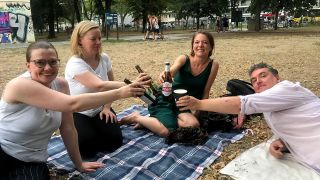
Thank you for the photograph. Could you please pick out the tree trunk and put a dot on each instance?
(77, 10)
(108, 9)
(51, 19)
(276, 20)
(257, 21)
(198, 19)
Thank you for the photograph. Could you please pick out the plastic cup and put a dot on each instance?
(179, 93)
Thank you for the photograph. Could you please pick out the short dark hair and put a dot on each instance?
(39, 45)
(263, 65)
(210, 38)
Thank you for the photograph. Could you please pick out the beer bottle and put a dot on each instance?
(148, 98)
(167, 84)
(153, 85)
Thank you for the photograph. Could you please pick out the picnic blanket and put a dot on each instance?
(145, 155)
(258, 164)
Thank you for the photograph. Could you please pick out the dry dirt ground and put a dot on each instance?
(296, 54)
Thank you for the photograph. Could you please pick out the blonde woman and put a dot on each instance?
(89, 70)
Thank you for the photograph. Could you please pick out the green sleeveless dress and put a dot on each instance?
(166, 111)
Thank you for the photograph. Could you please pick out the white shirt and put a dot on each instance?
(77, 65)
(25, 130)
(293, 114)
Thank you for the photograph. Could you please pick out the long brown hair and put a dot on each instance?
(210, 38)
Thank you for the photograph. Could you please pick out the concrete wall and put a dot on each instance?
(15, 21)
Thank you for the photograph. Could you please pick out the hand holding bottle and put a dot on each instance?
(135, 89)
(143, 77)
(153, 87)
(167, 84)
(162, 77)
(146, 96)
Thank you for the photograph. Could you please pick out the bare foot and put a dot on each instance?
(130, 119)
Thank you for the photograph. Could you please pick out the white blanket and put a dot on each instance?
(258, 164)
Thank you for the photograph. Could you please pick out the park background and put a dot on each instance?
(26, 20)
(293, 50)
(294, 53)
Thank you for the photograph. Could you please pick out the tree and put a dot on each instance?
(234, 4)
(51, 19)
(76, 8)
(89, 9)
(257, 6)
(122, 8)
(289, 5)
(39, 14)
(141, 8)
(302, 5)
(200, 8)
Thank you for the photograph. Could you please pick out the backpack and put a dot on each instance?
(238, 87)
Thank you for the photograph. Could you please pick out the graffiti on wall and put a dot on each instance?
(15, 22)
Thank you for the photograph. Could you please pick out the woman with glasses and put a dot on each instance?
(36, 104)
(89, 70)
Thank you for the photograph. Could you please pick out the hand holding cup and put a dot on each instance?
(179, 93)
(188, 103)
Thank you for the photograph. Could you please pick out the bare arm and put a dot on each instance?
(178, 63)
(70, 138)
(226, 105)
(211, 79)
(91, 81)
(22, 90)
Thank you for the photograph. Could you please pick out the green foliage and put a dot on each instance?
(274, 6)
(200, 8)
(39, 13)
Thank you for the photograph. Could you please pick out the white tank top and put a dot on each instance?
(25, 130)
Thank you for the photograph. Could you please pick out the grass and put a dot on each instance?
(294, 52)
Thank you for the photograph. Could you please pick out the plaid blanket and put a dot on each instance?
(146, 156)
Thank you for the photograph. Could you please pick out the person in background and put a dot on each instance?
(36, 104)
(195, 73)
(148, 28)
(89, 70)
(218, 24)
(154, 26)
(225, 23)
(291, 111)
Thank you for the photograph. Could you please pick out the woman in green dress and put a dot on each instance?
(195, 73)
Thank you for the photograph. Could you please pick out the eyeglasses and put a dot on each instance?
(41, 63)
